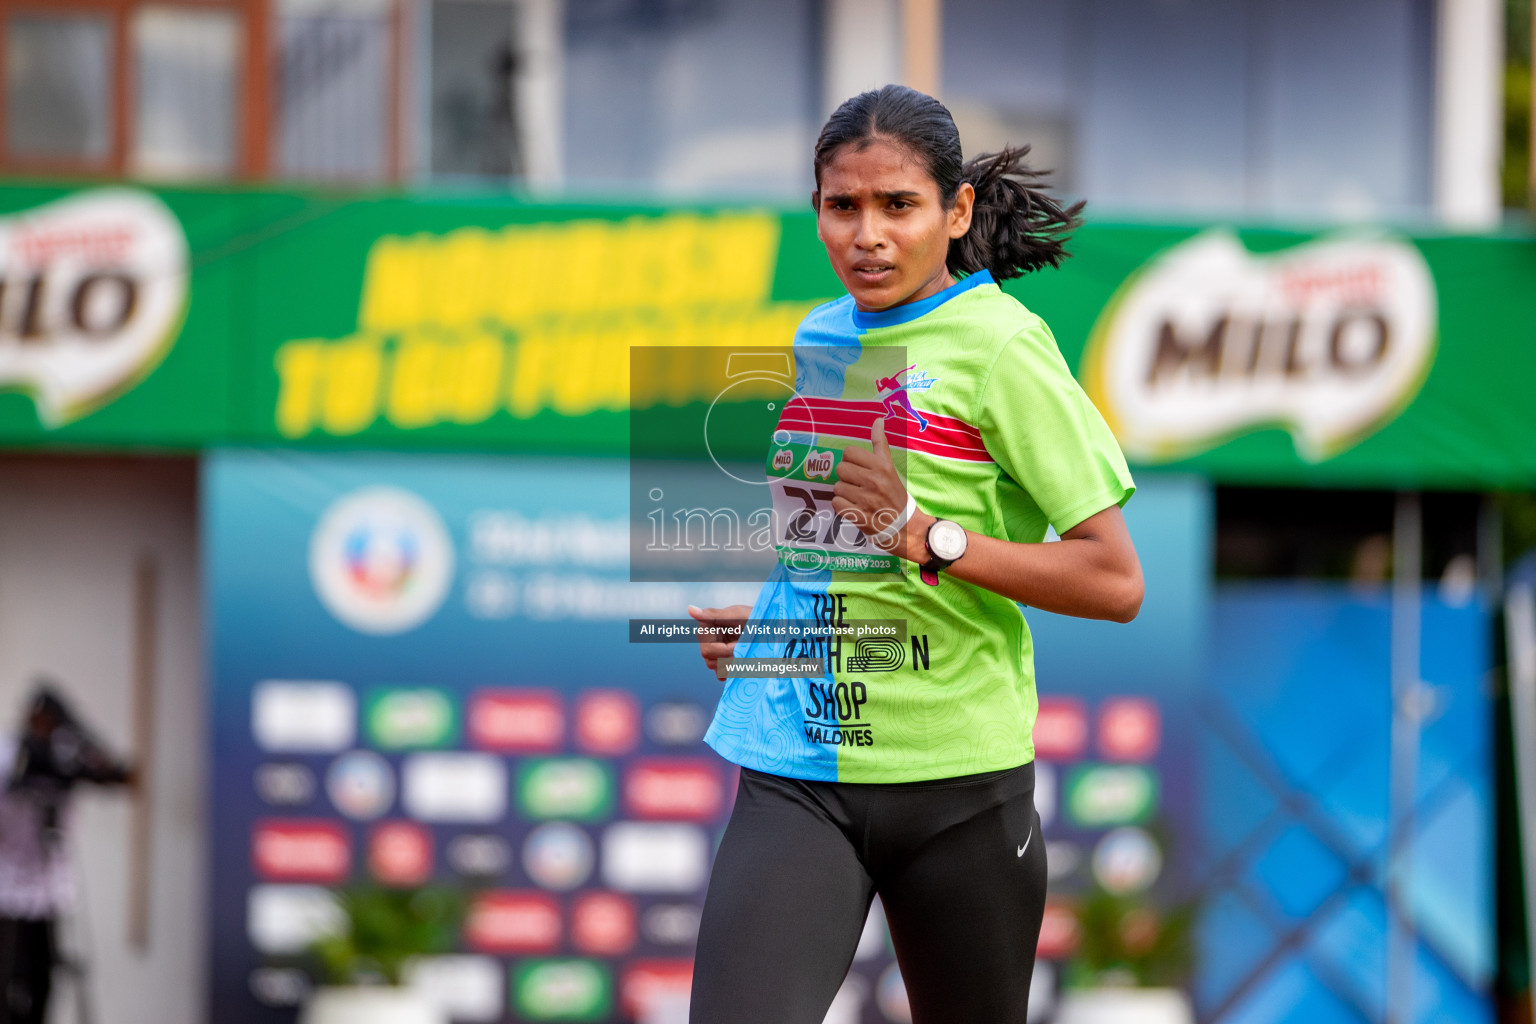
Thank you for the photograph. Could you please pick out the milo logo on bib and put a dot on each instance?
(818, 464)
(808, 534)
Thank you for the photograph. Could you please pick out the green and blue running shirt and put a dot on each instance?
(992, 431)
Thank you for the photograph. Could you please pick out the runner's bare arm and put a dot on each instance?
(1091, 573)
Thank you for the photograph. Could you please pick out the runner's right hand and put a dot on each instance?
(720, 629)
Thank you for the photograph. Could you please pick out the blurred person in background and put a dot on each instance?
(53, 753)
(913, 782)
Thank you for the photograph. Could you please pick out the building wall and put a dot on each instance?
(72, 532)
(709, 97)
(1308, 109)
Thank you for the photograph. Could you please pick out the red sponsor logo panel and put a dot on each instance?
(1059, 932)
(400, 854)
(1130, 729)
(675, 788)
(513, 922)
(301, 851)
(603, 924)
(1061, 729)
(517, 721)
(607, 722)
(646, 981)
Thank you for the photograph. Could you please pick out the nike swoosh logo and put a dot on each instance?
(1028, 839)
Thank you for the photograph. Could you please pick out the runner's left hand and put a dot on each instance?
(870, 493)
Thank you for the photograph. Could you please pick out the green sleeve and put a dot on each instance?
(1044, 432)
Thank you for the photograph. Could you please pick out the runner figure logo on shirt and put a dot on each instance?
(898, 394)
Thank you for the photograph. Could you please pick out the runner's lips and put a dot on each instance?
(873, 271)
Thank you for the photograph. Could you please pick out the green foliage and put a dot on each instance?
(1516, 172)
(1517, 513)
(385, 928)
(1517, 134)
(1128, 941)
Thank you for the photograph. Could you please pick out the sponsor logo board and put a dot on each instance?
(361, 785)
(517, 721)
(676, 724)
(1059, 931)
(285, 785)
(100, 286)
(400, 854)
(454, 786)
(689, 790)
(513, 922)
(1103, 795)
(1061, 729)
(656, 989)
(670, 924)
(412, 718)
(301, 851)
(566, 990)
(558, 856)
(303, 717)
(654, 857)
(574, 787)
(381, 560)
(1329, 340)
(603, 924)
(479, 856)
(1130, 729)
(607, 722)
(286, 919)
(1127, 861)
(470, 989)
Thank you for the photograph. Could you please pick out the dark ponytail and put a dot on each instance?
(1016, 226)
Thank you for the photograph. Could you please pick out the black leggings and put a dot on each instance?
(960, 868)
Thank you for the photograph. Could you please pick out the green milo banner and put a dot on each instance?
(183, 318)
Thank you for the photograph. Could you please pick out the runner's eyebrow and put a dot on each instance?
(843, 197)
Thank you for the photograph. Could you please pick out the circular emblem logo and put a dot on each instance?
(1126, 861)
(381, 560)
(361, 785)
(558, 856)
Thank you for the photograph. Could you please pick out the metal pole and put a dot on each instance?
(1520, 633)
(1407, 713)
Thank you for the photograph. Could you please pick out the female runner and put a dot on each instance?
(907, 768)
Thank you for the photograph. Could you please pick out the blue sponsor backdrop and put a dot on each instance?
(416, 585)
(1296, 752)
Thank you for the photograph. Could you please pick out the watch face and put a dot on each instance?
(947, 540)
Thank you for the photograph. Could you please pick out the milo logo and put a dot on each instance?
(783, 460)
(818, 464)
(1329, 340)
(93, 288)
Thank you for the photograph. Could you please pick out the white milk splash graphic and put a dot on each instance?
(1330, 340)
(93, 288)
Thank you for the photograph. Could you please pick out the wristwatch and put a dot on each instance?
(946, 546)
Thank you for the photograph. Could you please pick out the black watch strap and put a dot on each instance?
(929, 573)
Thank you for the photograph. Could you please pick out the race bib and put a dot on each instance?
(809, 536)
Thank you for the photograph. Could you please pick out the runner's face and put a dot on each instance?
(886, 230)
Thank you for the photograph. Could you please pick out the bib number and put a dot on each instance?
(808, 534)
